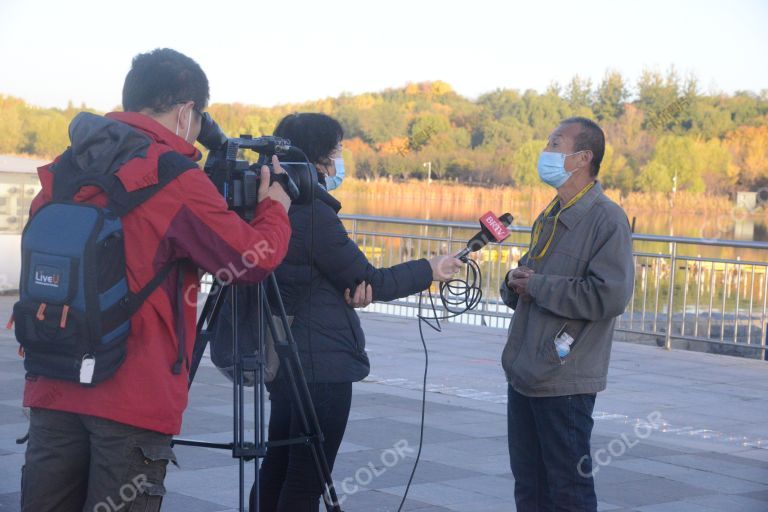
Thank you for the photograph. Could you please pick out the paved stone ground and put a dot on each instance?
(706, 451)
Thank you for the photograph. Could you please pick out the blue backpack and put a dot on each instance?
(73, 316)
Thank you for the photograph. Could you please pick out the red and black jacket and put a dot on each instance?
(186, 222)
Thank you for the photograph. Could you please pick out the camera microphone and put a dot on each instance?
(492, 229)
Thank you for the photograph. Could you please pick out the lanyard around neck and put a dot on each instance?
(540, 224)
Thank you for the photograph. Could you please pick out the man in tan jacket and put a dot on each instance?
(567, 291)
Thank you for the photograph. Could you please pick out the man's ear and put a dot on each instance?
(586, 158)
(188, 111)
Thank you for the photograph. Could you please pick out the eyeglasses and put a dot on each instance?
(194, 107)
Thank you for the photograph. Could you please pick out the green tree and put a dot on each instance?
(579, 93)
(425, 127)
(11, 137)
(611, 95)
(655, 177)
(676, 156)
(524, 163)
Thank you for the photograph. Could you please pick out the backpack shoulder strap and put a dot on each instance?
(67, 181)
(170, 166)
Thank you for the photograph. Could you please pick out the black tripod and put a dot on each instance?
(290, 369)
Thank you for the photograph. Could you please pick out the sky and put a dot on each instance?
(268, 53)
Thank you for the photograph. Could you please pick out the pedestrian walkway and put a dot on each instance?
(674, 432)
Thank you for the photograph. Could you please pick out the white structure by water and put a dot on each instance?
(18, 186)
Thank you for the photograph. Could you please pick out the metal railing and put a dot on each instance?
(680, 298)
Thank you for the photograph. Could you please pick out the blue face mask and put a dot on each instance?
(551, 168)
(334, 182)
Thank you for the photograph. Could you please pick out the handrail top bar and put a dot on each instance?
(526, 229)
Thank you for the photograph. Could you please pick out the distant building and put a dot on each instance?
(18, 186)
(746, 200)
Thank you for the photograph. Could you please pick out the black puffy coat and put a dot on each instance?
(335, 351)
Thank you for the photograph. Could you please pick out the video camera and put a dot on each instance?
(238, 180)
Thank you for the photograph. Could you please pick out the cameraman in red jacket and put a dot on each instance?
(106, 447)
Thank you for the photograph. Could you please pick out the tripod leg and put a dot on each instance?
(210, 311)
(300, 390)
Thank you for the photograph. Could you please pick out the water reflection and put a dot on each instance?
(728, 225)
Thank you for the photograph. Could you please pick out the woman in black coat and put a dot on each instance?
(322, 278)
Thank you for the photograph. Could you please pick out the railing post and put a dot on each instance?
(671, 301)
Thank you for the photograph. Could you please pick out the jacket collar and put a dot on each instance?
(573, 215)
(323, 195)
(159, 133)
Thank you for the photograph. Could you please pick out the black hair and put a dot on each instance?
(592, 138)
(316, 134)
(162, 78)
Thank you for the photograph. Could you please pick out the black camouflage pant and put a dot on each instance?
(82, 463)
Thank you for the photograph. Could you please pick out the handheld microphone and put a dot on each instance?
(492, 229)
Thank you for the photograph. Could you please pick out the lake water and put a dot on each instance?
(728, 226)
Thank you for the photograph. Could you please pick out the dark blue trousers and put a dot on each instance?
(549, 451)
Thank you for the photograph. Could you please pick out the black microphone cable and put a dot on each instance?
(457, 296)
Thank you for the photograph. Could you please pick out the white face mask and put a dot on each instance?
(189, 124)
(334, 182)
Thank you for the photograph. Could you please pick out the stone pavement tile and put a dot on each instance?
(384, 433)
(214, 418)
(723, 502)
(645, 448)
(10, 472)
(488, 485)
(388, 411)
(605, 507)
(195, 457)
(210, 394)
(746, 410)
(13, 365)
(439, 494)
(694, 477)
(175, 501)
(738, 457)
(347, 447)
(736, 391)
(480, 447)
(356, 415)
(610, 474)
(698, 418)
(721, 466)
(655, 490)
(372, 470)
(486, 505)
(758, 495)
(11, 414)
(675, 506)
(209, 374)
(756, 432)
(477, 430)
(736, 375)
(388, 399)
(376, 501)
(10, 502)
(488, 464)
(12, 382)
(8, 435)
(677, 381)
(215, 485)
(756, 454)
(675, 440)
(453, 418)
